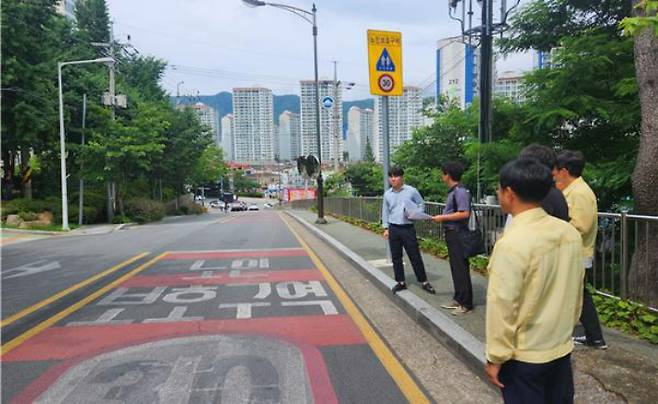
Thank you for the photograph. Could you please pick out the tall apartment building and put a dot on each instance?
(541, 59)
(331, 121)
(207, 116)
(253, 122)
(228, 128)
(360, 131)
(405, 113)
(289, 136)
(457, 70)
(510, 85)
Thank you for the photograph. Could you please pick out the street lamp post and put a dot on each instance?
(62, 146)
(310, 17)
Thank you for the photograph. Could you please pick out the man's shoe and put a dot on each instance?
(427, 287)
(460, 311)
(598, 344)
(398, 287)
(450, 306)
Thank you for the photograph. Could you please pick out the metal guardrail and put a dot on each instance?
(617, 237)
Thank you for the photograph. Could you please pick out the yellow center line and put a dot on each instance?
(69, 290)
(9, 346)
(405, 382)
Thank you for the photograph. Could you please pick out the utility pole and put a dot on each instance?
(111, 101)
(486, 68)
(485, 32)
(178, 92)
(82, 181)
(385, 141)
(336, 115)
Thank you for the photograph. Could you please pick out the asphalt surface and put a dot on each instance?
(217, 308)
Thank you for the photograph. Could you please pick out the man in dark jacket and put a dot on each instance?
(554, 203)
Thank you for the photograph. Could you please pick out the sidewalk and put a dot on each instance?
(626, 372)
(14, 236)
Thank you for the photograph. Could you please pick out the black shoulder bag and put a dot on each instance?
(471, 236)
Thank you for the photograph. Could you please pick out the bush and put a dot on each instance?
(18, 205)
(627, 316)
(144, 210)
(191, 208)
(28, 216)
(118, 219)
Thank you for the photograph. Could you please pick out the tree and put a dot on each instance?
(644, 27)
(93, 18)
(336, 185)
(588, 99)
(210, 166)
(184, 143)
(128, 146)
(368, 155)
(543, 24)
(242, 183)
(31, 32)
(365, 178)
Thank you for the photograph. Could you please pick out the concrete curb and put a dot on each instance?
(462, 343)
(37, 232)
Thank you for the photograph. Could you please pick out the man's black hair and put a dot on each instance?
(573, 161)
(528, 178)
(395, 172)
(454, 169)
(541, 153)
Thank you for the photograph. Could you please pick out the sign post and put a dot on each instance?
(385, 66)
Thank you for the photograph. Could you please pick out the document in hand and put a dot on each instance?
(412, 212)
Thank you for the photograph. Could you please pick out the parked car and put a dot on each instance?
(217, 204)
(268, 205)
(253, 206)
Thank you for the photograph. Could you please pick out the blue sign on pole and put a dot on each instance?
(327, 102)
(385, 63)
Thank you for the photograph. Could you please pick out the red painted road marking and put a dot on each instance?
(58, 343)
(321, 385)
(223, 278)
(208, 255)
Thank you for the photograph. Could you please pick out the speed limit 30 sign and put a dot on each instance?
(386, 83)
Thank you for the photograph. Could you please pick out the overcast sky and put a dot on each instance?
(215, 45)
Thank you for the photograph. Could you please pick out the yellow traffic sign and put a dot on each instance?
(385, 62)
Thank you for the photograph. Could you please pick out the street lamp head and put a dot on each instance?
(107, 60)
(254, 3)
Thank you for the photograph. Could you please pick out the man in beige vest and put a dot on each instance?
(583, 216)
(534, 292)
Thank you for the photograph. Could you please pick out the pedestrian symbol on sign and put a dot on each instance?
(385, 63)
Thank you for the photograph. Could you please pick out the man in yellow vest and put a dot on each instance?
(583, 216)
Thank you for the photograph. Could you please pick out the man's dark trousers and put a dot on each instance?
(537, 383)
(461, 275)
(404, 235)
(589, 318)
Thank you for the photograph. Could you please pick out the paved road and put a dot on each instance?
(218, 308)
